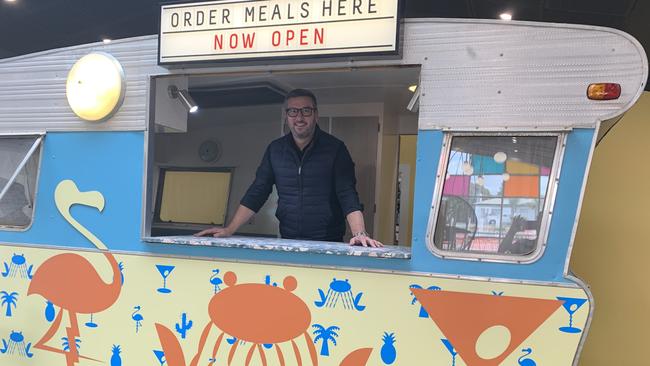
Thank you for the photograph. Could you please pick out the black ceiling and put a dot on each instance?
(34, 25)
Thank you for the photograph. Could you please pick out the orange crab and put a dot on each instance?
(257, 313)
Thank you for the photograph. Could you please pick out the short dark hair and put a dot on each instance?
(295, 93)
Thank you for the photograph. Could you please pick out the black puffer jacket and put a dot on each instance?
(315, 194)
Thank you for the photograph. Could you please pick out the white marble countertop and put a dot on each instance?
(287, 245)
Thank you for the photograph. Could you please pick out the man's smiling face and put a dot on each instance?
(302, 127)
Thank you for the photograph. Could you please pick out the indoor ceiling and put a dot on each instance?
(34, 25)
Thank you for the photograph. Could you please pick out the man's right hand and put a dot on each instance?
(217, 232)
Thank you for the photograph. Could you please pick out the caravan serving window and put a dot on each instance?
(242, 113)
(18, 174)
(495, 195)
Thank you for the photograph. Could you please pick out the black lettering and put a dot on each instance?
(262, 16)
(187, 21)
(250, 12)
(342, 7)
(356, 7)
(200, 17)
(225, 13)
(372, 4)
(276, 11)
(213, 15)
(289, 12)
(327, 7)
(174, 20)
(305, 10)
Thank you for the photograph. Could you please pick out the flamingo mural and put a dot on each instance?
(137, 317)
(67, 279)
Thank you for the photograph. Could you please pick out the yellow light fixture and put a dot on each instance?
(95, 87)
(413, 88)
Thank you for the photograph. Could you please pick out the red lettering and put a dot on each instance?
(235, 38)
(249, 40)
(303, 37)
(275, 38)
(218, 41)
(319, 36)
(290, 36)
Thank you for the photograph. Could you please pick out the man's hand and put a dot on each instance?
(366, 241)
(217, 232)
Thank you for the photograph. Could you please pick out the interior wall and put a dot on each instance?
(611, 248)
(243, 134)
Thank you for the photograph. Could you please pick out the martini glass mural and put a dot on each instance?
(91, 324)
(451, 350)
(165, 271)
(571, 305)
(160, 355)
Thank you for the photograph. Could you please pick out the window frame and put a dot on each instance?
(157, 204)
(38, 143)
(549, 201)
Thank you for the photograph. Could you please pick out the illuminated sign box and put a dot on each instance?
(236, 30)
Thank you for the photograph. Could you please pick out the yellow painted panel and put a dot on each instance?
(195, 197)
(407, 156)
(611, 249)
(386, 202)
(517, 167)
(365, 309)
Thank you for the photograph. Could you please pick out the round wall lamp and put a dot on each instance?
(95, 87)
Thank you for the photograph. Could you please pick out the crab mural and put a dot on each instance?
(16, 344)
(340, 290)
(18, 267)
(235, 311)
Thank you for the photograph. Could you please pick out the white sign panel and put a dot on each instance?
(235, 29)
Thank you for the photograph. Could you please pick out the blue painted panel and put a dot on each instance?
(109, 162)
(112, 163)
(551, 265)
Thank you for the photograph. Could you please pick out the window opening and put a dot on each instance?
(494, 194)
(18, 175)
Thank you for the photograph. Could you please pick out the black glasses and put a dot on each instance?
(305, 111)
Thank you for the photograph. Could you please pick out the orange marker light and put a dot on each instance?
(604, 91)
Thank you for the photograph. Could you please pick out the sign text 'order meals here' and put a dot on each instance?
(235, 29)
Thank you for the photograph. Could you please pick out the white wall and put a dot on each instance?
(243, 134)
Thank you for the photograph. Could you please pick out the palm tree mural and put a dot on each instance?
(325, 335)
(8, 300)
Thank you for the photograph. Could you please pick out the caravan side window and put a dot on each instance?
(495, 196)
(18, 174)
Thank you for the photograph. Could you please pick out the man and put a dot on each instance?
(314, 176)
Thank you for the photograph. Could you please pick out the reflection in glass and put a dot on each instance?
(494, 193)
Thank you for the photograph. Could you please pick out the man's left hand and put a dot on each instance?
(366, 241)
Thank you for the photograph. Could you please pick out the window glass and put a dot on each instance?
(17, 204)
(494, 194)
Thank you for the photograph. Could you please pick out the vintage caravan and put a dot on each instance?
(473, 180)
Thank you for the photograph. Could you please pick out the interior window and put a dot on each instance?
(193, 196)
(18, 173)
(494, 194)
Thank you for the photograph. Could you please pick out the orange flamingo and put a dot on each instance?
(71, 282)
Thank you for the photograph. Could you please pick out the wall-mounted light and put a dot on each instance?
(95, 87)
(505, 16)
(184, 97)
(414, 103)
(107, 40)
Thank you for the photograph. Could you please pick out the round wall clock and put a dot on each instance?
(209, 150)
